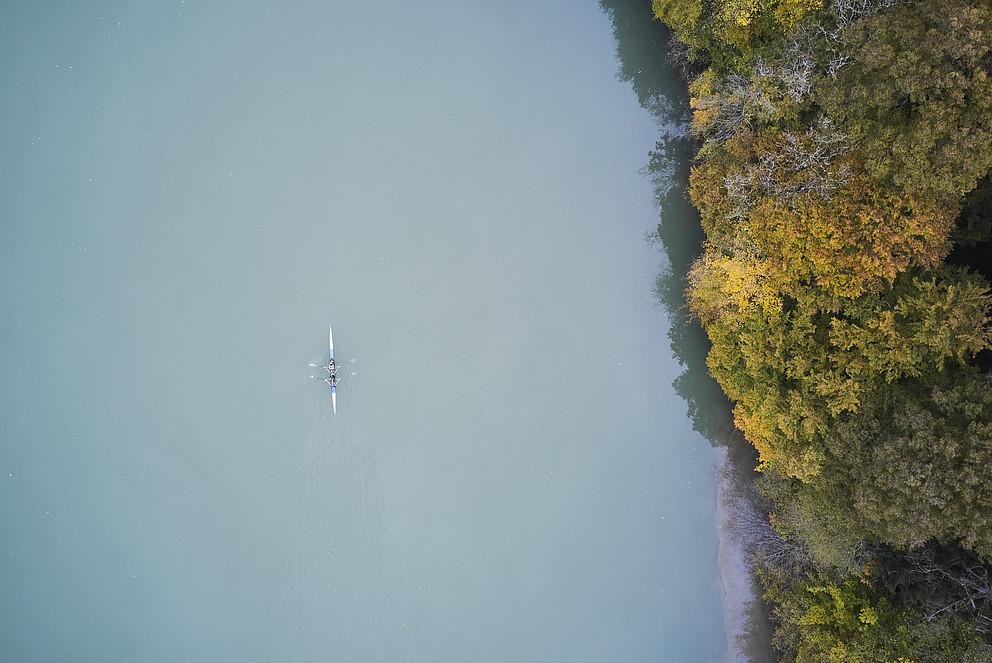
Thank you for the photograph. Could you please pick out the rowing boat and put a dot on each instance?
(332, 369)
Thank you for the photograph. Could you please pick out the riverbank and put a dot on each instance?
(844, 199)
(745, 615)
(642, 47)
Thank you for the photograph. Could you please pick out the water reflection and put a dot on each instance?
(642, 45)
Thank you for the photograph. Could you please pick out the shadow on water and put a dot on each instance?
(642, 55)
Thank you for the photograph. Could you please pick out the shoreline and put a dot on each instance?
(745, 616)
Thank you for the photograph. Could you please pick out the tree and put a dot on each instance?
(792, 366)
(800, 202)
(939, 581)
(912, 466)
(821, 533)
(917, 95)
(741, 25)
(839, 139)
(854, 242)
(725, 104)
(683, 17)
(853, 620)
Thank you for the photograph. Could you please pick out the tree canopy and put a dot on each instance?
(843, 184)
(913, 467)
(916, 94)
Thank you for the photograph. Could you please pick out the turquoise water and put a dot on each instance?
(193, 190)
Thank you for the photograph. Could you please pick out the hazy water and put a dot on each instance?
(192, 190)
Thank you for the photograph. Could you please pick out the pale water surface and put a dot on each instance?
(191, 191)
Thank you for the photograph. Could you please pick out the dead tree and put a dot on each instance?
(798, 164)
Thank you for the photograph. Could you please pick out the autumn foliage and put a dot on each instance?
(841, 144)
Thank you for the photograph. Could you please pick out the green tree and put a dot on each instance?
(912, 465)
(917, 95)
(683, 17)
(743, 25)
(792, 366)
(852, 620)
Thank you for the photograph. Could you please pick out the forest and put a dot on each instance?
(843, 182)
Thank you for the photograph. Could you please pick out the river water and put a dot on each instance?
(193, 190)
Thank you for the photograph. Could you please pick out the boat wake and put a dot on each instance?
(340, 582)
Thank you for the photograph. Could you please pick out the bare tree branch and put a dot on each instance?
(941, 580)
(798, 164)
